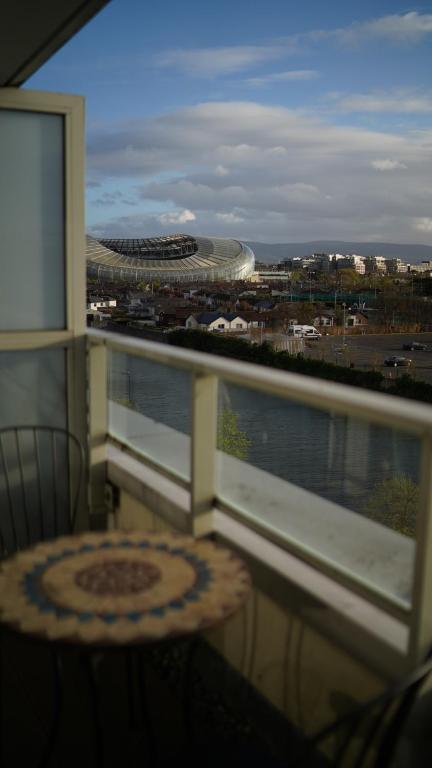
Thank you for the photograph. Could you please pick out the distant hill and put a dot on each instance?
(409, 252)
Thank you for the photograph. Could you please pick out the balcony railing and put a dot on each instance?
(339, 477)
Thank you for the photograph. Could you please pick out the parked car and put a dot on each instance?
(415, 346)
(304, 331)
(395, 362)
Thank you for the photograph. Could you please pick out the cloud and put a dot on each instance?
(401, 100)
(177, 217)
(229, 218)
(282, 143)
(292, 75)
(112, 198)
(207, 197)
(220, 170)
(387, 165)
(210, 62)
(407, 28)
(423, 224)
(292, 176)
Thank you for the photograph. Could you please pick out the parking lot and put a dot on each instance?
(370, 351)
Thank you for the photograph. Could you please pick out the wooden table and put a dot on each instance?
(119, 589)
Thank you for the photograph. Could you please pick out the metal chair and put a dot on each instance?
(376, 734)
(41, 474)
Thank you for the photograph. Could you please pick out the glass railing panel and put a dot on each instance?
(149, 409)
(345, 490)
(33, 388)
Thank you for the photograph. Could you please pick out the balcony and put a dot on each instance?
(281, 468)
(284, 469)
(340, 601)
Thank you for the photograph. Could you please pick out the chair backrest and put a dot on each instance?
(369, 735)
(41, 474)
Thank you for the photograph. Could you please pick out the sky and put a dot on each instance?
(272, 121)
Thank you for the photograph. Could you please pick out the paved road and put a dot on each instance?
(369, 351)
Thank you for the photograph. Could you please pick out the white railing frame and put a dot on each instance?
(376, 408)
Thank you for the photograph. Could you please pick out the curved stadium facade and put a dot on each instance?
(174, 258)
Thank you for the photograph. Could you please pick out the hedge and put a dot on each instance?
(264, 355)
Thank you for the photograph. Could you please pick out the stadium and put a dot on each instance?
(170, 259)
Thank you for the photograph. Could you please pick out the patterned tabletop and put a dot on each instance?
(120, 588)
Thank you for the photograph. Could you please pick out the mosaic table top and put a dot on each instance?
(120, 588)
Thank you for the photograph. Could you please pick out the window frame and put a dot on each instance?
(72, 337)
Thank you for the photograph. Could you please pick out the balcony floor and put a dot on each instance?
(231, 723)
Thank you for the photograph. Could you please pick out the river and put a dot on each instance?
(339, 458)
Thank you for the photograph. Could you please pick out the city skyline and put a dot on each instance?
(285, 124)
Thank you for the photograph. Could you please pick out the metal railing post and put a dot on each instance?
(98, 428)
(203, 452)
(421, 620)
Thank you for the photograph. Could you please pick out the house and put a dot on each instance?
(355, 319)
(217, 321)
(182, 314)
(142, 310)
(95, 303)
(167, 318)
(324, 319)
(263, 305)
(254, 319)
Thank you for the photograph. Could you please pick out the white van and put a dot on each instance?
(304, 332)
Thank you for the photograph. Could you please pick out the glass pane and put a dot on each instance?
(150, 410)
(31, 221)
(33, 388)
(345, 489)
(34, 486)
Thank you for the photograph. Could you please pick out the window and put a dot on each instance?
(42, 259)
(31, 158)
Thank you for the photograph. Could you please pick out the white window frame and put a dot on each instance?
(72, 337)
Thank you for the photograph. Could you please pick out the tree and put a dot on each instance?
(297, 275)
(304, 312)
(230, 438)
(349, 278)
(394, 502)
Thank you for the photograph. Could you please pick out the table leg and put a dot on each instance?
(57, 710)
(187, 697)
(1, 698)
(142, 678)
(88, 667)
(131, 673)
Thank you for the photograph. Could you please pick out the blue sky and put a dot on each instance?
(270, 121)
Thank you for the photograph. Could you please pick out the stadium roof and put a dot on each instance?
(173, 258)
